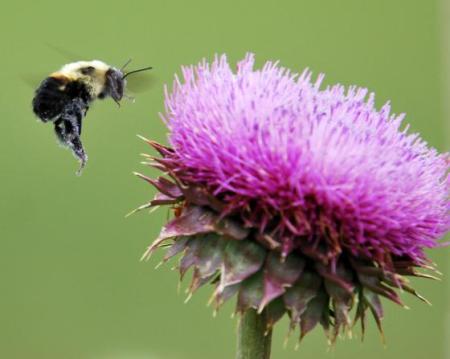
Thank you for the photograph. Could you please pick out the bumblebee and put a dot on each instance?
(64, 97)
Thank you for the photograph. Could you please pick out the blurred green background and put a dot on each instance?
(71, 282)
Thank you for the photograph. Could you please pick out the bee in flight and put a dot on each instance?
(64, 97)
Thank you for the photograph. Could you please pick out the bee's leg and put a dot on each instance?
(74, 112)
(81, 113)
(68, 128)
(79, 123)
(68, 136)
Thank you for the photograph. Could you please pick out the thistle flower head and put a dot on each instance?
(309, 200)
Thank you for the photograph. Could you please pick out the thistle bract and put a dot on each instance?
(293, 198)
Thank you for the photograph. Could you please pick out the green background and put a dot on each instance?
(71, 282)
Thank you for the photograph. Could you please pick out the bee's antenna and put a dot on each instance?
(138, 70)
(125, 64)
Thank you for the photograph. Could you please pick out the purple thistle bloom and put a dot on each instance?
(296, 199)
(324, 160)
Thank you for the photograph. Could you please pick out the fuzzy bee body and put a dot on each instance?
(64, 98)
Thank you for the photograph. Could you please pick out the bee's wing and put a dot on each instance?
(32, 80)
(64, 52)
(141, 82)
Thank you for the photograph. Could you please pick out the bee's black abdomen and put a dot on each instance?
(54, 94)
(49, 99)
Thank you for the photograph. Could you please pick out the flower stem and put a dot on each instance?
(253, 341)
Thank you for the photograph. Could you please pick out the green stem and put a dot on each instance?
(253, 341)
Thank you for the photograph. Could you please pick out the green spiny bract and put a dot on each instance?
(310, 284)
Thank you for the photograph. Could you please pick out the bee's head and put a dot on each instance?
(114, 84)
(115, 81)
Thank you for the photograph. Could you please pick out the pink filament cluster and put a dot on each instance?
(275, 141)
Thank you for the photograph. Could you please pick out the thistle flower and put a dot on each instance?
(296, 199)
